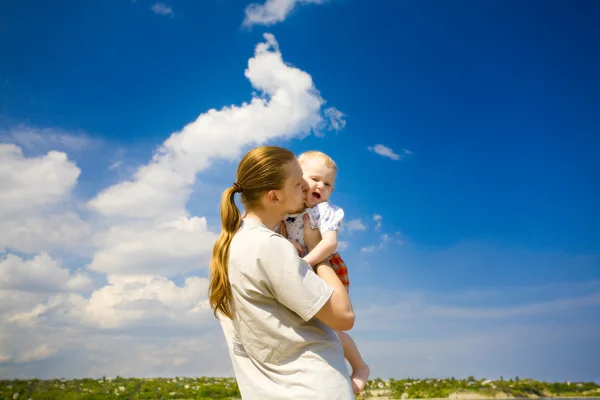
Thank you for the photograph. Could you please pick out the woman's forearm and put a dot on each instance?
(337, 313)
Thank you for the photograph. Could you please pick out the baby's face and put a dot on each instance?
(320, 179)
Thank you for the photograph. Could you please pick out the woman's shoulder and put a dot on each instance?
(261, 239)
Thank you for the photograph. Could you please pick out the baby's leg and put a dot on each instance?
(360, 370)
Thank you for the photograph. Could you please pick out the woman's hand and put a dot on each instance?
(312, 237)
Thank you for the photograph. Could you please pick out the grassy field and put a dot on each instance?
(204, 388)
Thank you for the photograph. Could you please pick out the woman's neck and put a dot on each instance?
(266, 218)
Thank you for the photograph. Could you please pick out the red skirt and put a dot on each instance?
(339, 266)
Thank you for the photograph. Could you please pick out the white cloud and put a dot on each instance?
(29, 183)
(162, 9)
(544, 307)
(45, 138)
(384, 151)
(399, 239)
(290, 107)
(35, 231)
(40, 352)
(115, 165)
(139, 323)
(355, 225)
(125, 302)
(272, 11)
(40, 274)
(384, 239)
(140, 234)
(342, 245)
(140, 247)
(154, 233)
(368, 249)
(377, 218)
(137, 300)
(167, 329)
(36, 192)
(335, 118)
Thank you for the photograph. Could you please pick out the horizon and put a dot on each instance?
(466, 138)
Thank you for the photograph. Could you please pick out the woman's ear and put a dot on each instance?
(272, 196)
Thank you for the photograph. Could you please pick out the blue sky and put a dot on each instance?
(485, 115)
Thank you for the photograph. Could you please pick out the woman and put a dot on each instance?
(277, 313)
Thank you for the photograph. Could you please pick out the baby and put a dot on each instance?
(320, 171)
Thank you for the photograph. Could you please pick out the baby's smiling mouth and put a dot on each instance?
(316, 195)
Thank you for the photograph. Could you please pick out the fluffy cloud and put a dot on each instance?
(290, 107)
(165, 248)
(148, 300)
(35, 231)
(368, 249)
(162, 9)
(272, 11)
(32, 183)
(355, 225)
(139, 237)
(129, 317)
(126, 302)
(377, 219)
(39, 352)
(335, 118)
(384, 239)
(342, 245)
(154, 233)
(48, 138)
(384, 151)
(40, 274)
(36, 193)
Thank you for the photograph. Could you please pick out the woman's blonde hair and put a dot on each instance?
(262, 169)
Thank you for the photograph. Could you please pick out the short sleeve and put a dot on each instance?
(326, 217)
(291, 279)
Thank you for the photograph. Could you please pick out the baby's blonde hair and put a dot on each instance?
(329, 163)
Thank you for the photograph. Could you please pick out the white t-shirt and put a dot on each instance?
(324, 216)
(278, 350)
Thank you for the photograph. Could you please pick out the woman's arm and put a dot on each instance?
(323, 249)
(337, 313)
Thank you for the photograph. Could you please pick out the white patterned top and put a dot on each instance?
(324, 216)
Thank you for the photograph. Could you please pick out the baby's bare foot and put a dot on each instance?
(359, 378)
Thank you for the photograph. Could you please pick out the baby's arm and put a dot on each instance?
(324, 249)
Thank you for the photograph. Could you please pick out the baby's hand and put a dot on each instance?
(298, 247)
